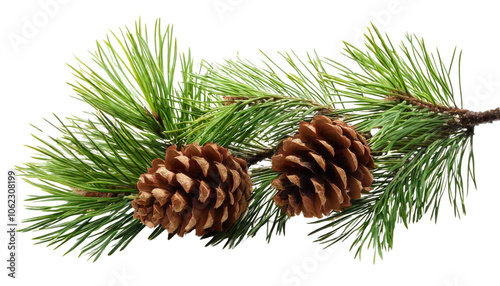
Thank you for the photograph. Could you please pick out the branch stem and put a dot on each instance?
(467, 118)
(259, 156)
(474, 118)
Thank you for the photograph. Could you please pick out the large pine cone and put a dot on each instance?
(203, 188)
(325, 165)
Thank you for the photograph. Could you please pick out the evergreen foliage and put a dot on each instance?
(403, 99)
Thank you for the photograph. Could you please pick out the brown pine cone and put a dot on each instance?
(325, 165)
(203, 188)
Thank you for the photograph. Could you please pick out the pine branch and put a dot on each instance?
(406, 97)
(420, 145)
(136, 83)
(91, 169)
(293, 78)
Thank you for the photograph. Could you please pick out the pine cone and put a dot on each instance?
(203, 188)
(325, 165)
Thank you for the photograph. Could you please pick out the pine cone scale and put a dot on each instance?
(204, 192)
(199, 166)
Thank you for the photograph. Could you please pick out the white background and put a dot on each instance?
(33, 85)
